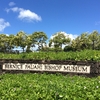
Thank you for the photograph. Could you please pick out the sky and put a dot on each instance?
(73, 17)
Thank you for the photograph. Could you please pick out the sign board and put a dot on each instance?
(47, 67)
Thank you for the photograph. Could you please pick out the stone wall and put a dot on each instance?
(94, 66)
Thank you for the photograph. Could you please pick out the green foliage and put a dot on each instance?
(39, 39)
(58, 40)
(48, 87)
(87, 41)
(94, 38)
(27, 42)
(21, 40)
(68, 48)
(92, 55)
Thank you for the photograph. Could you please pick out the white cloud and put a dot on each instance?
(7, 34)
(72, 36)
(25, 15)
(3, 24)
(28, 15)
(11, 4)
(16, 9)
(7, 10)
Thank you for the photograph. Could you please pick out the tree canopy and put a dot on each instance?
(58, 41)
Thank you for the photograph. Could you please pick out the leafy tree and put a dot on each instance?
(84, 41)
(10, 43)
(68, 48)
(20, 40)
(58, 40)
(75, 44)
(98, 43)
(29, 43)
(3, 42)
(94, 38)
(39, 38)
(81, 42)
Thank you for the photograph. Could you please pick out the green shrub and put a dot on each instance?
(48, 87)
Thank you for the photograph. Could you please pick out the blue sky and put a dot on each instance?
(50, 16)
